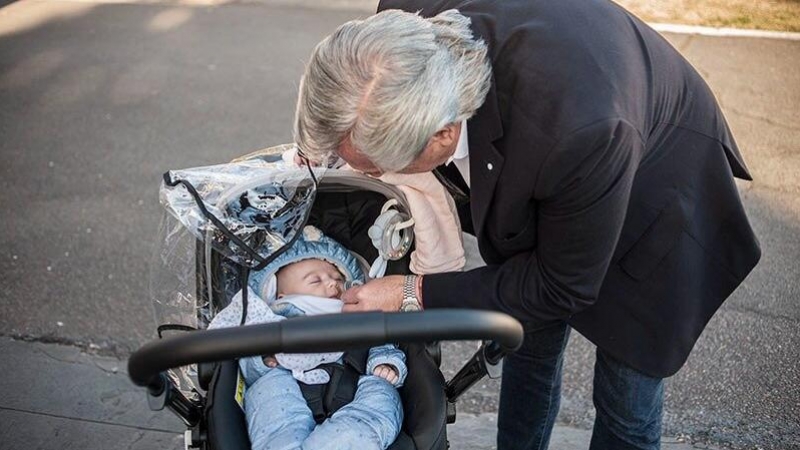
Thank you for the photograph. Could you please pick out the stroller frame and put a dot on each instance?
(215, 351)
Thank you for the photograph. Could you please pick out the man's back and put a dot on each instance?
(685, 244)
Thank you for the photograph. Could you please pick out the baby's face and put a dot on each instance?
(311, 277)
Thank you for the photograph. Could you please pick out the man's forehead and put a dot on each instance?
(355, 158)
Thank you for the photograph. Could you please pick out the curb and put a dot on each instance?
(479, 432)
(723, 32)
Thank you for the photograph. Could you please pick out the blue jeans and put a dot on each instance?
(628, 403)
(278, 417)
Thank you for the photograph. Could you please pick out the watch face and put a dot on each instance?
(409, 306)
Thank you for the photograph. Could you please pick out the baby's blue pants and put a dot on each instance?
(278, 417)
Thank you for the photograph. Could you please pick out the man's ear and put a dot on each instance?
(446, 136)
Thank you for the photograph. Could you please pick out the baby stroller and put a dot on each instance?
(259, 201)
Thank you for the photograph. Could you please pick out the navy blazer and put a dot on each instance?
(602, 174)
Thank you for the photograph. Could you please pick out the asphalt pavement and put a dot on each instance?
(98, 99)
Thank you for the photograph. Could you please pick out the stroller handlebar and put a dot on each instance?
(326, 333)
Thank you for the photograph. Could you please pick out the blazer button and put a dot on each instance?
(489, 166)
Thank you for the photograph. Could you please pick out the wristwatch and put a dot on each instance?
(410, 300)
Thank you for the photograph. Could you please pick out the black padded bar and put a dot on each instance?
(327, 333)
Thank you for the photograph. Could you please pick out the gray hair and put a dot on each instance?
(388, 84)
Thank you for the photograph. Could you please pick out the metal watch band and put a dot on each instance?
(410, 288)
(410, 300)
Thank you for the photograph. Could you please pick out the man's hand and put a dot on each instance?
(382, 294)
(386, 372)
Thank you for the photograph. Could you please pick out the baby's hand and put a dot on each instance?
(386, 372)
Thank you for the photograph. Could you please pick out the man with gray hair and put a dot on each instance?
(589, 158)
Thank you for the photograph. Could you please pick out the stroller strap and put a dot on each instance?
(325, 399)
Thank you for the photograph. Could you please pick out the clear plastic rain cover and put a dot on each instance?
(246, 211)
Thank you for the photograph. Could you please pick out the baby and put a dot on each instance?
(314, 286)
(308, 279)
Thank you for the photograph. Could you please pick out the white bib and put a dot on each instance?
(311, 305)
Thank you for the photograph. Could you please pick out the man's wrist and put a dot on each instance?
(419, 291)
(411, 290)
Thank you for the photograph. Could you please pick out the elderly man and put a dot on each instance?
(594, 167)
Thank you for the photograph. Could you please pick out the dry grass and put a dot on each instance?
(782, 15)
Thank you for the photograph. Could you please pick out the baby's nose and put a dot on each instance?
(335, 287)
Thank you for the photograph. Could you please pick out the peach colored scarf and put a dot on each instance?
(438, 242)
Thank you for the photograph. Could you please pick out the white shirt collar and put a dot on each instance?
(462, 148)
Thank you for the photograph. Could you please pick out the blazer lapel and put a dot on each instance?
(485, 162)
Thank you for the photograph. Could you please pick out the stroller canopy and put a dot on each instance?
(247, 209)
